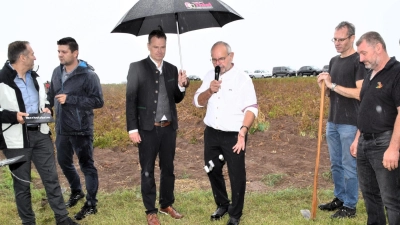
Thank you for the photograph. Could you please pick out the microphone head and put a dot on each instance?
(217, 69)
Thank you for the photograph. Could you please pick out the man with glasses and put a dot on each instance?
(343, 83)
(231, 109)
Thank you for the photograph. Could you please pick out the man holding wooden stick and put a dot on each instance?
(344, 79)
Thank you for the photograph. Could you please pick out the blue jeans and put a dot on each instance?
(343, 164)
(83, 148)
(379, 186)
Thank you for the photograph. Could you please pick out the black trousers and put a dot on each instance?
(161, 141)
(41, 153)
(215, 143)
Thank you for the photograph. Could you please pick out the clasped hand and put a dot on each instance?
(182, 78)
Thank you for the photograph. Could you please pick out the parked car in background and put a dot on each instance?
(283, 71)
(308, 70)
(325, 68)
(194, 77)
(248, 73)
(260, 74)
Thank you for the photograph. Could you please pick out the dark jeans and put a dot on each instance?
(161, 141)
(41, 153)
(216, 143)
(379, 186)
(83, 147)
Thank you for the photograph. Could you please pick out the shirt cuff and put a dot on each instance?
(133, 131)
(183, 89)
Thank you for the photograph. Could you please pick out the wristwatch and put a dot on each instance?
(333, 86)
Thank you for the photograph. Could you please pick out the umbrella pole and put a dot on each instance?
(179, 39)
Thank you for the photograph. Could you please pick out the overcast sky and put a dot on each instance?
(273, 33)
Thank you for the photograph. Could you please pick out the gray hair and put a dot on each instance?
(372, 38)
(351, 30)
(15, 49)
(227, 46)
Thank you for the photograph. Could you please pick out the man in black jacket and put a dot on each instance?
(75, 91)
(154, 87)
(21, 93)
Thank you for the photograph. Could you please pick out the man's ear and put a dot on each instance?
(232, 54)
(378, 48)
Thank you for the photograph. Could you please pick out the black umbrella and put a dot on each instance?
(175, 16)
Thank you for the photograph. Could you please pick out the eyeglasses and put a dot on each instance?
(221, 60)
(340, 40)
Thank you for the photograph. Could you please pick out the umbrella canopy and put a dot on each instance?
(147, 15)
(175, 16)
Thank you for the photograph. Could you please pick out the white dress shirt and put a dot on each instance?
(227, 107)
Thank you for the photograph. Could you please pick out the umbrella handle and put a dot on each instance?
(179, 39)
(321, 117)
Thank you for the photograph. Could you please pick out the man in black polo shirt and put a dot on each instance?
(377, 142)
(344, 79)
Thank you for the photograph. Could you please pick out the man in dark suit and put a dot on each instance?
(154, 87)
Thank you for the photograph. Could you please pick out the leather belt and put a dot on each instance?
(32, 128)
(370, 136)
(162, 124)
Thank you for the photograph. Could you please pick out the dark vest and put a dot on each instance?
(162, 102)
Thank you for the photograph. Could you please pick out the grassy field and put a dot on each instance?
(125, 208)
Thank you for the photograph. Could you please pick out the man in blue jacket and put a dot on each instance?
(74, 92)
(21, 93)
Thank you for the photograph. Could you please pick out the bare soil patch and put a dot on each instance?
(277, 151)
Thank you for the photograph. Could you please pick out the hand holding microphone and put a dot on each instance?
(217, 70)
(215, 84)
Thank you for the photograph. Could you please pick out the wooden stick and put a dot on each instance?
(321, 119)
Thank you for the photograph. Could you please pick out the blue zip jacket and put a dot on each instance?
(84, 93)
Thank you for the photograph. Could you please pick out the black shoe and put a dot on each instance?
(335, 204)
(219, 213)
(233, 221)
(86, 210)
(74, 198)
(68, 221)
(344, 212)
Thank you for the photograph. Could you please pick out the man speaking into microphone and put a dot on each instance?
(230, 98)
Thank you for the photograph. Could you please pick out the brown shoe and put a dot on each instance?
(172, 212)
(152, 219)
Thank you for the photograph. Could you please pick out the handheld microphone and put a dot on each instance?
(217, 70)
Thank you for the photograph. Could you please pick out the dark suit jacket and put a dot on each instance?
(142, 93)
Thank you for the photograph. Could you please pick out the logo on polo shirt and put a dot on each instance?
(379, 85)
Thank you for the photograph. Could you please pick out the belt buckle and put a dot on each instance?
(368, 136)
(163, 122)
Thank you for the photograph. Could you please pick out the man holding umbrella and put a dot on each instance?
(154, 87)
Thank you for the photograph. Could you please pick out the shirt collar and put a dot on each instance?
(73, 69)
(155, 63)
(28, 73)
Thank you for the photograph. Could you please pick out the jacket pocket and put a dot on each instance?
(75, 120)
